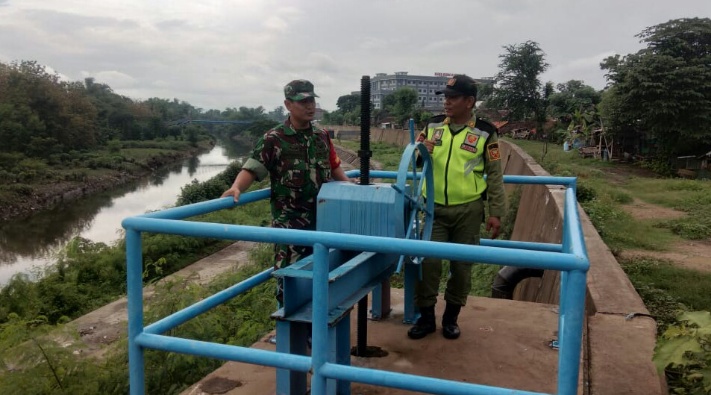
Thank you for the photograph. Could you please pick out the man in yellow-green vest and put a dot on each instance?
(463, 149)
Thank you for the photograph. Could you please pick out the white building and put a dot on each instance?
(383, 84)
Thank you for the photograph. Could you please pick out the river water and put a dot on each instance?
(31, 244)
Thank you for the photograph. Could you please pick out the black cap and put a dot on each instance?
(459, 84)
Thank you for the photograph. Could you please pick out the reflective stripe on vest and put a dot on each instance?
(458, 164)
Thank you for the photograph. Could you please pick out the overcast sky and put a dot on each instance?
(232, 53)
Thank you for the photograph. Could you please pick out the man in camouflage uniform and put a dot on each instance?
(298, 158)
(463, 148)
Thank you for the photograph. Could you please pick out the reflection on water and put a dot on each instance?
(34, 241)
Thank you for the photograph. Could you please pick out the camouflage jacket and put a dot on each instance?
(297, 163)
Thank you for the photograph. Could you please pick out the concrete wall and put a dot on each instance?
(618, 350)
(391, 136)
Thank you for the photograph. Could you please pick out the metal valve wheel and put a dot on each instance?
(413, 185)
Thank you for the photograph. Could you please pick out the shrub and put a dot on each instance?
(621, 197)
(585, 192)
(8, 160)
(683, 354)
(688, 229)
(114, 146)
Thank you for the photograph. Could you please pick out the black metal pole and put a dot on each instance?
(364, 152)
(362, 331)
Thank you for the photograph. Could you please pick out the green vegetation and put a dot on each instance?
(602, 194)
(58, 136)
(38, 365)
(89, 275)
(400, 106)
(663, 89)
(682, 352)
(687, 287)
(668, 291)
(518, 87)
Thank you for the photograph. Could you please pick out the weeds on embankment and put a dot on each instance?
(671, 293)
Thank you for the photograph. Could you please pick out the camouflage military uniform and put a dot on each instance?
(298, 163)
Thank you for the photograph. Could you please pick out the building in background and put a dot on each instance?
(384, 84)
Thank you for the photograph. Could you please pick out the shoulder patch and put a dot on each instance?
(486, 126)
(493, 150)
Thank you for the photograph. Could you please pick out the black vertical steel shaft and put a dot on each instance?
(364, 152)
(362, 330)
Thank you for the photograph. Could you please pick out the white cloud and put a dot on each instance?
(276, 23)
(231, 53)
(586, 69)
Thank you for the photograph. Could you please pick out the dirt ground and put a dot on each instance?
(689, 254)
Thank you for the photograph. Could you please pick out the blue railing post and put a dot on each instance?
(319, 335)
(411, 126)
(569, 354)
(134, 278)
(567, 249)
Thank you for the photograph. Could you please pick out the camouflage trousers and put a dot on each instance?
(285, 255)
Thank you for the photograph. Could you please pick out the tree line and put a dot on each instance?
(657, 101)
(41, 115)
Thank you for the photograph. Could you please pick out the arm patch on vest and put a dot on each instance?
(493, 151)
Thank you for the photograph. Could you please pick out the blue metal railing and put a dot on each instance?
(570, 258)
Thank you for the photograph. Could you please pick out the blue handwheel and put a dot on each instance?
(414, 185)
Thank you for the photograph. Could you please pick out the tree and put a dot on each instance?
(664, 90)
(348, 103)
(36, 104)
(278, 114)
(570, 97)
(401, 104)
(518, 87)
(333, 118)
(484, 91)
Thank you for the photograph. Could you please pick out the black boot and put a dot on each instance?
(425, 324)
(450, 329)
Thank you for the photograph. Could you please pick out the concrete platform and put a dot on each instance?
(503, 343)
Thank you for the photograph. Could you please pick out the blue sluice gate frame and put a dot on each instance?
(570, 258)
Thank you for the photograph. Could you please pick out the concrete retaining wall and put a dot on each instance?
(618, 350)
(619, 345)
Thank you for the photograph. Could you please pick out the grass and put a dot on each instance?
(683, 195)
(562, 163)
(665, 288)
(602, 198)
(389, 156)
(668, 289)
(55, 369)
(689, 287)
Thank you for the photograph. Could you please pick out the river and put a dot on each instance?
(31, 244)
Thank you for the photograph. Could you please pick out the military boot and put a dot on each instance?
(425, 324)
(450, 329)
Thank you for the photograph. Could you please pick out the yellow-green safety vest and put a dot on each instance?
(458, 163)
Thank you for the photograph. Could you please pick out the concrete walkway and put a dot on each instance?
(503, 343)
(104, 326)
